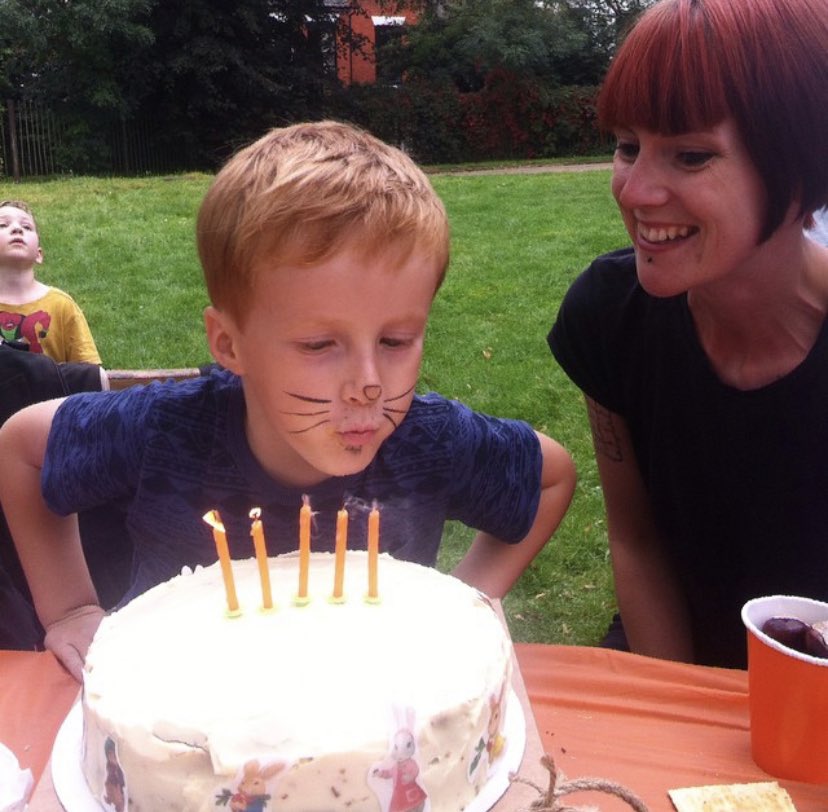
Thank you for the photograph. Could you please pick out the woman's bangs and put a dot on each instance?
(665, 84)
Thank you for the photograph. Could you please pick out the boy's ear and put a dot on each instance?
(39, 257)
(221, 337)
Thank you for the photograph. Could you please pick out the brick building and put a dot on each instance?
(373, 23)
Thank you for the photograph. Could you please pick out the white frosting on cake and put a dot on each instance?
(309, 705)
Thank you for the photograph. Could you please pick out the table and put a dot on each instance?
(35, 696)
(649, 724)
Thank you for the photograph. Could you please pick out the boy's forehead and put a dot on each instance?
(16, 213)
(350, 256)
(349, 269)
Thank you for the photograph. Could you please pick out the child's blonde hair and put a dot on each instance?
(302, 193)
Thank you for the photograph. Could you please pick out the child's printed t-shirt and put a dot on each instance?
(53, 325)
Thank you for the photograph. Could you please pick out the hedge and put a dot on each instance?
(511, 117)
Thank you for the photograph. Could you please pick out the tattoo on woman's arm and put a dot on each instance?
(604, 434)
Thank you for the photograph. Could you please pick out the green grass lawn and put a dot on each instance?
(124, 248)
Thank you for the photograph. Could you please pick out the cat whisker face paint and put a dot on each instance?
(319, 411)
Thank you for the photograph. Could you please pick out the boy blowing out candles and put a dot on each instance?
(322, 250)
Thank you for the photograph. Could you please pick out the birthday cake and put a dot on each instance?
(393, 705)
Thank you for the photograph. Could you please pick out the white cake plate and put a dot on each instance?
(74, 794)
(67, 775)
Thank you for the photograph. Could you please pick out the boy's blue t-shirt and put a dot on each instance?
(168, 453)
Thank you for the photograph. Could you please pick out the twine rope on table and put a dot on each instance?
(559, 787)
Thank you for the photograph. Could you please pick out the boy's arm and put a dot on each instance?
(493, 566)
(48, 545)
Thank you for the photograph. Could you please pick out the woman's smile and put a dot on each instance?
(661, 234)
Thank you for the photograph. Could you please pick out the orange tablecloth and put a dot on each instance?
(35, 696)
(648, 724)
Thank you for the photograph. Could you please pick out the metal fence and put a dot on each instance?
(29, 137)
(36, 142)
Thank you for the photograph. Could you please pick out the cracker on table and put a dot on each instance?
(762, 796)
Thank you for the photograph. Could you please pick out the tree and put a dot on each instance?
(605, 22)
(22, 46)
(219, 73)
(612, 15)
(69, 56)
(70, 51)
(464, 40)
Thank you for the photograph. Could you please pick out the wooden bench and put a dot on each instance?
(123, 378)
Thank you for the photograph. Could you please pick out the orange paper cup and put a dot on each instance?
(788, 694)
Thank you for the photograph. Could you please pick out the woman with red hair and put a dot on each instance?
(702, 349)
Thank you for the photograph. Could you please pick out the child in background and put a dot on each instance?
(44, 318)
(322, 250)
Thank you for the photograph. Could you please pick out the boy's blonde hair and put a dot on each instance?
(302, 193)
